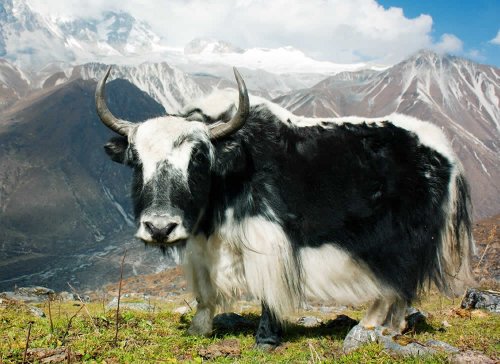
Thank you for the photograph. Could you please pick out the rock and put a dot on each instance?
(392, 341)
(358, 336)
(34, 291)
(475, 298)
(232, 322)
(35, 311)
(182, 310)
(67, 296)
(309, 321)
(29, 294)
(471, 357)
(138, 306)
(442, 345)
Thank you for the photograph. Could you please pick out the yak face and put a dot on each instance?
(172, 160)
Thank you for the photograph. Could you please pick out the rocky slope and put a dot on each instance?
(64, 207)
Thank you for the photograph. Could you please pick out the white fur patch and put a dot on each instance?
(154, 142)
(428, 134)
(214, 104)
(330, 273)
(252, 256)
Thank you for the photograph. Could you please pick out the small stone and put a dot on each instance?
(442, 345)
(392, 341)
(67, 296)
(182, 310)
(138, 306)
(445, 324)
(487, 299)
(35, 311)
(309, 321)
(357, 337)
(34, 291)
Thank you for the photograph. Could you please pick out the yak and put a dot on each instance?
(286, 208)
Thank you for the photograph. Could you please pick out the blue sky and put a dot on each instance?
(474, 22)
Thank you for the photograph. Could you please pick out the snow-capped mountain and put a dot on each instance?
(460, 96)
(278, 60)
(32, 41)
(14, 84)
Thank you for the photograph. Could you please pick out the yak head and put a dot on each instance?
(172, 158)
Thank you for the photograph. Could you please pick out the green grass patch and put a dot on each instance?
(161, 336)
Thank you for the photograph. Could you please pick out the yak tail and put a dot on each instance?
(457, 244)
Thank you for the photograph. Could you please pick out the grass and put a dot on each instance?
(160, 336)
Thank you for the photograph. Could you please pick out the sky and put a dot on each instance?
(342, 31)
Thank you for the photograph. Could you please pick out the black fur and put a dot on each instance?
(361, 186)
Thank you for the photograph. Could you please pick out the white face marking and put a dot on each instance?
(166, 140)
(155, 139)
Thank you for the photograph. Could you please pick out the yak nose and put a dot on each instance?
(157, 233)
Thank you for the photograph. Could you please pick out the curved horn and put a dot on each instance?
(119, 126)
(220, 130)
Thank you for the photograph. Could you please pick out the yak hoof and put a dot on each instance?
(199, 331)
(264, 347)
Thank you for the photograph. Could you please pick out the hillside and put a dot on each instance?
(65, 208)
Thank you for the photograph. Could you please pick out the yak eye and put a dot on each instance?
(199, 157)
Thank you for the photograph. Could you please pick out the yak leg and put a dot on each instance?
(269, 331)
(205, 295)
(387, 312)
(395, 319)
(376, 314)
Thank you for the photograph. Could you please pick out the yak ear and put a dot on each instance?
(116, 148)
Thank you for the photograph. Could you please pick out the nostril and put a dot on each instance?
(169, 228)
(159, 233)
(150, 227)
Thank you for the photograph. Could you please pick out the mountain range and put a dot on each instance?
(65, 213)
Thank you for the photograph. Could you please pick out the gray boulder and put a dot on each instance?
(475, 298)
(309, 321)
(393, 342)
(29, 294)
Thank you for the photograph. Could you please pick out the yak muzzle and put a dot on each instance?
(157, 229)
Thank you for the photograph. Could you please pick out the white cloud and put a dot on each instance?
(496, 40)
(336, 30)
(449, 43)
